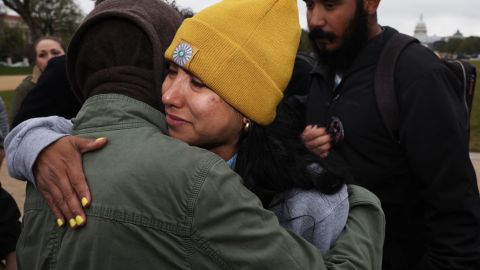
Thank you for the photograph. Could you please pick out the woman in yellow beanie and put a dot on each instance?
(229, 66)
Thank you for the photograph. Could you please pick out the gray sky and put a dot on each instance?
(442, 17)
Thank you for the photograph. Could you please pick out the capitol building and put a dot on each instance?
(421, 34)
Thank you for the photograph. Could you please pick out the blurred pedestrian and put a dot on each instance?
(45, 48)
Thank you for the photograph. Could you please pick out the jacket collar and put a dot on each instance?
(103, 112)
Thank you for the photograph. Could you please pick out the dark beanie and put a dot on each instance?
(119, 48)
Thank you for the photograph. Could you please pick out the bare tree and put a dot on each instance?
(47, 17)
(185, 12)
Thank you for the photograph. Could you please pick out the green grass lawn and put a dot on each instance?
(15, 70)
(475, 117)
(7, 97)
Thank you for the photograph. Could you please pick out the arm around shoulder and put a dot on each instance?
(28, 139)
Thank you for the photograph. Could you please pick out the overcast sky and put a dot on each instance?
(442, 17)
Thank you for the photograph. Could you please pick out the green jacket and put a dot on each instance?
(161, 204)
(20, 93)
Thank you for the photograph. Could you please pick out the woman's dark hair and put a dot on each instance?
(273, 159)
(59, 41)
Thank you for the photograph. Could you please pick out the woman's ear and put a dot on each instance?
(371, 6)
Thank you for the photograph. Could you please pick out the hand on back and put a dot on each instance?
(60, 179)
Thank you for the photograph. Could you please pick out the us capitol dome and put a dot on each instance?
(421, 30)
(421, 33)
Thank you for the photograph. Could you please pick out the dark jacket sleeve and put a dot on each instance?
(51, 96)
(9, 224)
(434, 137)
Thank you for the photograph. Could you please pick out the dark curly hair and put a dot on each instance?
(273, 159)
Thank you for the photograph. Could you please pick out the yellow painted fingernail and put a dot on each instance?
(84, 202)
(60, 222)
(100, 139)
(79, 220)
(72, 223)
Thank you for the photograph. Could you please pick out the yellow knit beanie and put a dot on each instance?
(244, 50)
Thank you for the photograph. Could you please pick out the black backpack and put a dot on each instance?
(384, 82)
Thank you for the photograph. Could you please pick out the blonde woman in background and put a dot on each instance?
(45, 48)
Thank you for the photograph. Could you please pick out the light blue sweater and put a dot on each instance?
(317, 217)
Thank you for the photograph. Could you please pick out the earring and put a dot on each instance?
(246, 127)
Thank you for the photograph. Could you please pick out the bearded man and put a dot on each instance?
(425, 181)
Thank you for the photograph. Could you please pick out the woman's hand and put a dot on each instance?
(317, 140)
(59, 177)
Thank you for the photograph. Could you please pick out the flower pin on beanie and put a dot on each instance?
(182, 54)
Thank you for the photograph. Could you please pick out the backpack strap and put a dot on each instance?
(466, 73)
(384, 82)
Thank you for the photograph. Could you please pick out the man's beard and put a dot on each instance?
(352, 42)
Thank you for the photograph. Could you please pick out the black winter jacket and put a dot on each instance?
(9, 224)
(52, 95)
(426, 183)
